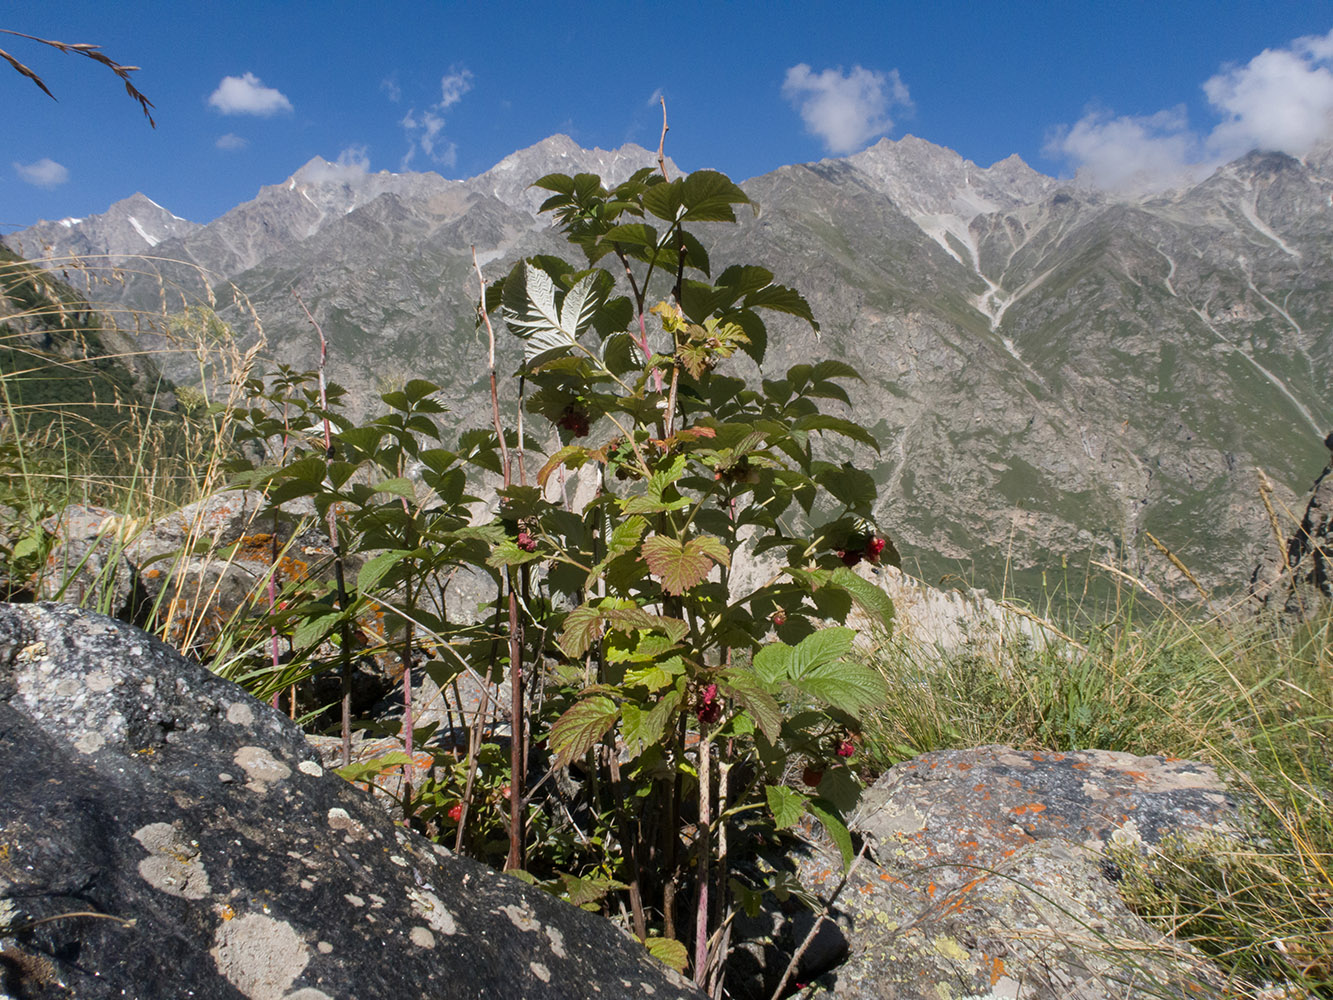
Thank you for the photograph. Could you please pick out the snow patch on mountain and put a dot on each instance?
(151, 240)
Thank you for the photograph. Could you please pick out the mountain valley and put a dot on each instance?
(1053, 373)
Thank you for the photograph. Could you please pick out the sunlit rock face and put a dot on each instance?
(163, 834)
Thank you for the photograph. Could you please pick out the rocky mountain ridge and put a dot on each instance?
(1054, 373)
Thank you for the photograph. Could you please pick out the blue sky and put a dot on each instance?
(1125, 94)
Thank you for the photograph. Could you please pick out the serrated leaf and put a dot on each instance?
(785, 804)
(313, 630)
(683, 567)
(746, 688)
(571, 455)
(582, 726)
(830, 368)
(624, 538)
(848, 687)
(780, 298)
(628, 618)
(833, 826)
(849, 485)
(583, 627)
(779, 662)
(398, 486)
(644, 729)
(828, 422)
(669, 952)
(656, 676)
(507, 553)
(871, 598)
(377, 567)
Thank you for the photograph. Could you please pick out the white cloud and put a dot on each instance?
(43, 173)
(425, 129)
(352, 164)
(1129, 153)
(845, 110)
(391, 89)
(1281, 100)
(231, 142)
(452, 88)
(247, 95)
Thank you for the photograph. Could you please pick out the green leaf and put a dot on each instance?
(634, 233)
(778, 662)
(780, 298)
(785, 804)
(578, 730)
(582, 628)
(683, 567)
(531, 312)
(669, 952)
(848, 485)
(834, 827)
(376, 568)
(364, 770)
(644, 729)
(745, 687)
(398, 486)
(624, 619)
(846, 686)
(872, 599)
(313, 630)
(571, 455)
(742, 279)
(828, 422)
(839, 788)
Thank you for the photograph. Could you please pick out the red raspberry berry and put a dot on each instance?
(574, 420)
(709, 709)
(526, 542)
(456, 813)
(812, 776)
(873, 549)
(778, 618)
(845, 748)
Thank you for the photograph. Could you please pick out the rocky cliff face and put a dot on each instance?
(134, 225)
(1053, 373)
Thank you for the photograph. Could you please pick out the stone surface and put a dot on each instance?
(162, 834)
(957, 808)
(198, 564)
(985, 877)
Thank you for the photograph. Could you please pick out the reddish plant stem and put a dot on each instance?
(517, 741)
(705, 848)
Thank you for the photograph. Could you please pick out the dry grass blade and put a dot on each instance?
(82, 49)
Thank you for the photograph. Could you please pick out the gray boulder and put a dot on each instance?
(163, 834)
(986, 876)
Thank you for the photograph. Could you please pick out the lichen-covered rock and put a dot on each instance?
(985, 877)
(198, 565)
(1042, 925)
(162, 834)
(957, 808)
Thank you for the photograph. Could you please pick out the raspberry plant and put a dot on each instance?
(688, 692)
(677, 693)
